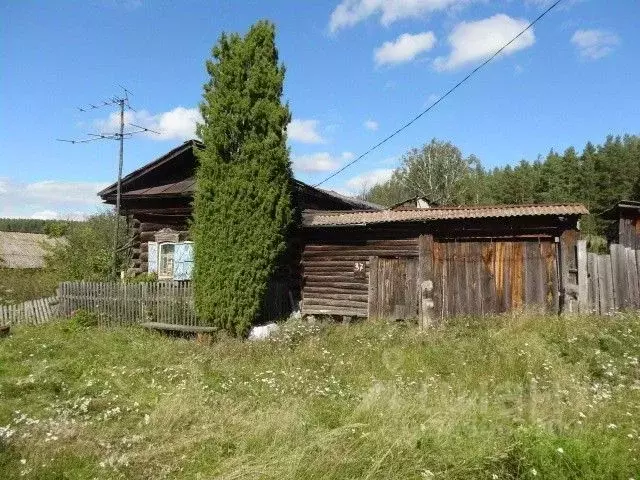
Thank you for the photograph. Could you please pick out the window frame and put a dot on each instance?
(161, 274)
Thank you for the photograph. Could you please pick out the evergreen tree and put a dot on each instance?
(243, 207)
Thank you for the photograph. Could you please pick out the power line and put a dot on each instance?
(449, 92)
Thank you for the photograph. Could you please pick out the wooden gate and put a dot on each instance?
(484, 277)
(393, 292)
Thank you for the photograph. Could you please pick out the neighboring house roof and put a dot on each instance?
(24, 250)
(624, 205)
(336, 218)
(185, 187)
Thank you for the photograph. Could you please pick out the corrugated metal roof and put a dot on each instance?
(322, 218)
(24, 250)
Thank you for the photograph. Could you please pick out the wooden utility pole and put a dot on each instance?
(122, 102)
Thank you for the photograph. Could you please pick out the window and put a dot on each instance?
(165, 260)
(171, 260)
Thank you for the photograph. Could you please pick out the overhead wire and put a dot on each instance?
(440, 99)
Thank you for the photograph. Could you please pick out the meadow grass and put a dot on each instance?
(494, 398)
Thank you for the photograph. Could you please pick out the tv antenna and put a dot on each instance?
(122, 101)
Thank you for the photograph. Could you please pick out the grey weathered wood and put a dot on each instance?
(372, 310)
(178, 328)
(425, 281)
(605, 289)
(632, 278)
(594, 291)
(583, 288)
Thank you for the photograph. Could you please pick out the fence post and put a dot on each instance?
(583, 288)
(425, 281)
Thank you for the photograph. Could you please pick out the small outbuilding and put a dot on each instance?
(625, 227)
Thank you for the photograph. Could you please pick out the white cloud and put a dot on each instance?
(319, 162)
(48, 199)
(369, 179)
(431, 99)
(474, 41)
(371, 125)
(46, 215)
(594, 44)
(177, 124)
(351, 12)
(304, 131)
(404, 49)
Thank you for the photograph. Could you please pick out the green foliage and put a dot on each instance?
(146, 277)
(512, 397)
(599, 177)
(243, 204)
(87, 253)
(81, 320)
(22, 284)
(437, 171)
(53, 228)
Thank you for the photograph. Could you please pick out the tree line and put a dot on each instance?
(53, 228)
(599, 176)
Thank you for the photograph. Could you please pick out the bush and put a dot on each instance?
(88, 252)
(82, 319)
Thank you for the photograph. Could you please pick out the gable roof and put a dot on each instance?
(151, 166)
(351, 218)
(133, 186)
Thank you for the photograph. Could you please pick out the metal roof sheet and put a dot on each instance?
(322, 218)
(24, 250)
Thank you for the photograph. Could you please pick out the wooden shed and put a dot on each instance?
(437, 262)
(625, 228)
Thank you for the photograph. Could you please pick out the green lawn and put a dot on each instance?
(509, 397)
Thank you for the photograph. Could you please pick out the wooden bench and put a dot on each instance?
(178, 328)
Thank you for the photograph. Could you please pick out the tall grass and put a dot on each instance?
(506, 397)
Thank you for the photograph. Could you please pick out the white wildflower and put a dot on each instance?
(560, 450)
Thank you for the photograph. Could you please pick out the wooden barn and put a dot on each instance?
(360, 260)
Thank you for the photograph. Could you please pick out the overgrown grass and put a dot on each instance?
(19, 285)
(502, 398)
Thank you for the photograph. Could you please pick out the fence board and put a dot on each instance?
(32, 312)
(117, 303)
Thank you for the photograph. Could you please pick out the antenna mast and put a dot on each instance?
(122, 102)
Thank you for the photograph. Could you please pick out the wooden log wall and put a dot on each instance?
(144, 232)
(471, 277)
(336, 272)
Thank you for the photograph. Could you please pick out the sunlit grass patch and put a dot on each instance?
(503, 397)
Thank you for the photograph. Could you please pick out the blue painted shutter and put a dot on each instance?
(152, 249)
(183, 261)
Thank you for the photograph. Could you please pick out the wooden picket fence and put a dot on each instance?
(608, 283)
(117, 303)
(32, 312)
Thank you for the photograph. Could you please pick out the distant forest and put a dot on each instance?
(54, 228)
(598, 177)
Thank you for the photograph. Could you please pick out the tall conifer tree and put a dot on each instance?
(243, 208)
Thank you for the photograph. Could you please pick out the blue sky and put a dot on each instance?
(356, 70)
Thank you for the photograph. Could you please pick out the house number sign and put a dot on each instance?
(358, 269)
